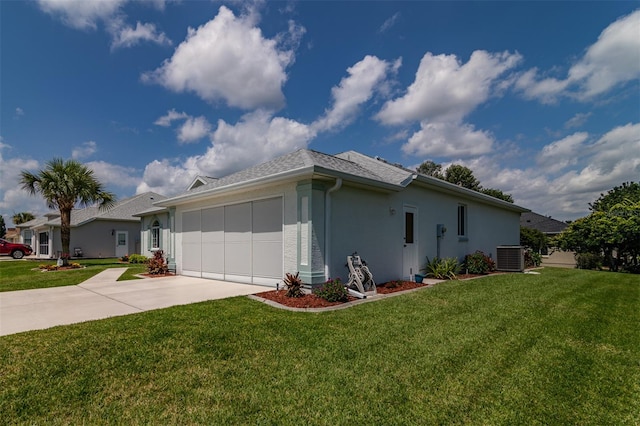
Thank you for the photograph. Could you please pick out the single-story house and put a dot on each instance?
(95, 232)
(547, 225)
(307, 211)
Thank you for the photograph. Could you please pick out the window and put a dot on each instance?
(408, 228)
(155, 235)
(462, 220)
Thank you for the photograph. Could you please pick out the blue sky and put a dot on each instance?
(539, 99)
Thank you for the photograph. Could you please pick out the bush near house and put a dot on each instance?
(442, 269)
(293, 284)
(479, 263)
(138, 258)
(157, 265)
(589, 261)
(333, 291)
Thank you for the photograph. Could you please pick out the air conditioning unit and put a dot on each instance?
(510, 258)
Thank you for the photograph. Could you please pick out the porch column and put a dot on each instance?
(171, 244)
(311, 232)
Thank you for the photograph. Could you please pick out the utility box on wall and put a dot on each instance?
(510, 258)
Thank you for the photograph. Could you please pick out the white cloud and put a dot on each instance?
(114, 175)
(19, 113)
(81, 14)
(577, 120)
(128, 36)
(610, 62)
(87, 14)
(390, 22)
(445, 89)
(85, 150)
(365, 78)
(166, 178)
(560, 154)
(193, 129)
(169, 117)
(448, 140)
(258, 133)
(13, 198)
(228, 59)
(566, 192)
(256, 138)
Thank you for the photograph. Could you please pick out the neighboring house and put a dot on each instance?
(548, 226)
(95, 233)
(12, 235)
(307, 211)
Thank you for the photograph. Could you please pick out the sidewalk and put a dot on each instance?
(102, 297)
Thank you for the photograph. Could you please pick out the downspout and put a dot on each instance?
(327, 225)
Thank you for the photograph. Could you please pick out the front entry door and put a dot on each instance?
(122, 243)
(410, 265)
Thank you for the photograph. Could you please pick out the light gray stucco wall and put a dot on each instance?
(145, 233)
(96, 241)
(372, 223)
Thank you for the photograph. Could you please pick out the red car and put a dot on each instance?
(15, 250)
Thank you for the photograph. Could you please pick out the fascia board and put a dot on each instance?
(443, 186)
(277, 177)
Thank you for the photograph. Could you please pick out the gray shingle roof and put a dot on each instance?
(350, 166)
(542, 223)
(297, 160)
(122, 210)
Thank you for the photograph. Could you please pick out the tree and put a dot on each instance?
(3, 227)
(431, 168)
(627, 191)
(533, 238)
(22, 217)
(462, 176)
(65, 184)
(496, 193)
(614, 232)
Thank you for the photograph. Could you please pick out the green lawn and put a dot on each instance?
(562, 347)
(24, 275)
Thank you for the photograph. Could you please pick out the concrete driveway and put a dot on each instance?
(102, 297)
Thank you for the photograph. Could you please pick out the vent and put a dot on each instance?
(510, 258)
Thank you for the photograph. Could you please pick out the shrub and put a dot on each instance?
(393, 284)
(333, 291)
(157, 265)
(588, 261)
(138, 258)
(293, 284)
(532, 259)
(75, 265)
(442, 269)
(125, 258)
(479, 263)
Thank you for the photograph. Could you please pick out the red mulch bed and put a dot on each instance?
(168, 274)
(313, 301)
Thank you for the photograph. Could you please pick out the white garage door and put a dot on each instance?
(240, 242)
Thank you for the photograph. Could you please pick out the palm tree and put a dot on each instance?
(65, 184)
(22, 217)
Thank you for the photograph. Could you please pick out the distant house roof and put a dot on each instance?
(351, 166)
(125, 209)
(544, 224)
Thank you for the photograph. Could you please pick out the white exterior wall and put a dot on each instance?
(290, 226)
(362, 221)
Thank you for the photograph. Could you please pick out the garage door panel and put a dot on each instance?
(213, 240)
(191, 242)
(237, 258)
(213, 257)
(237, 222)
(267, 259)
